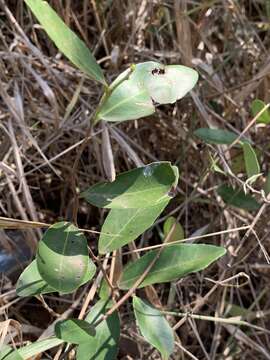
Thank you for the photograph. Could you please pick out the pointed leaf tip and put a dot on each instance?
(174, 262)
(66, 40)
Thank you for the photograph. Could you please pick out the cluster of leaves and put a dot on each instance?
(249, 157)
(135, 200)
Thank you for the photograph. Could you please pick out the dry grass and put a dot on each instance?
(45, 107)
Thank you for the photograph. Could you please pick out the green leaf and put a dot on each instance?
(128, 101)
(267, 184)
(216, 136)
(177, 232)
(8, 353)
(66, 40)
(120, 78)
(165, 84)
(257, 106)
(237, 198)
(104, 345)
(135, 91)
(62, 257)
(251, 161)
(74, 331)
(90, 272)
(104, 291)
(174, 262)
(143, 187)
(125, 225)
(154, 327)
(30, 283)
(38, 347)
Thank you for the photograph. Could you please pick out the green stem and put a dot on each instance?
(232, 321)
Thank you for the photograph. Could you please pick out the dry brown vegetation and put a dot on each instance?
(45, 107)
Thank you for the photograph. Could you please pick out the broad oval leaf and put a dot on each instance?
(30, 283)
(8, 353)
(143, 187)
(62, 257)
(251, 161)
(154, 327)
(237, 198)
(165, 84)
(128, 101)
(104, 345)
(74, 331)
(174, 262)
(66, 40)
(257, 106)
(125, 225)
(216, 136)
(175, 234)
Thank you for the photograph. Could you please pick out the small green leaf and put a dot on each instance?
(251, 161)
(177, 232)
(74, 331)
(237, 198)
(104, 345)
(139, 188)
(216, 136)
(90, 272)
(30, 283)
(154, 327)
(104, 291)
(120, 78)
(125, 225)
(214, 165)
(257, 106)
(267, 184)
(62, 257)
(8, 353)
(66, 40)
(174, 262)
